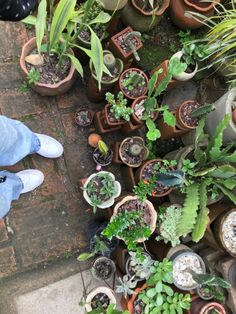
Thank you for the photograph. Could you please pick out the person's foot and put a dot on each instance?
(31, 179)
(49, 146)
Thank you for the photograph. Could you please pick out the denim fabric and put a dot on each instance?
(9, 190)
(16, 141)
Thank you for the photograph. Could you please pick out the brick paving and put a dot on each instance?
(48, 223)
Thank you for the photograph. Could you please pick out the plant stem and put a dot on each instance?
(51, 6)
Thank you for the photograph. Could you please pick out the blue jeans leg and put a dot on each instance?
(10, 188)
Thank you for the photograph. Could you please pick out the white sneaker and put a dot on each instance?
(50, 147)
(31, 179)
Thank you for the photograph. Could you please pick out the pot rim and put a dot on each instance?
(201, 9)
(99, 289)
(179, 118)
(91, 112)
(24, 69)
(159, 11)
(97, 260)
(184, 76)
(103, 165)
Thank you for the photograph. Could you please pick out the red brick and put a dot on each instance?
(7, 261)
(3, 231)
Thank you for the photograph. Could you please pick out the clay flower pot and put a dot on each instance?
(178, 10)
(132, 151)
(183, 119)
(99, 290)
(107, 120)
(113, 5)
(84, 117)
(140, 19)
(152, 212)
(139, 90)
(199, 306)
(120, 48)
(46, 89)
(135, 104)
(184, 76)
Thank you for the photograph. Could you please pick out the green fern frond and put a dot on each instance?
(202, 218)
(216, 142)
(189, 212)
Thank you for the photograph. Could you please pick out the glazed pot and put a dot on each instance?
(223, 106)
(184, 76)
(108, 84)
(114, 4)
(141, 73)
(47, 89)
(220, 225)
(101, 289)
(199, 306)
(178, 10)
(179, 121)
(106, 262)
(141, 150)
(153, 213)
(141, 20)
(139, 176)
(111, 200)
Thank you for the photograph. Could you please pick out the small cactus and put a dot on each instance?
(102, 146)
(135, 149)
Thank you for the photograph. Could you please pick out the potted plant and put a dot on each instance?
(167, 220)
(101, 189)
(116, 112)
(157, 295)
(191, 54)
(110, 310)
(132, 151)
(179, 17)
(133, 83)
(103, 268)
(100, 297)
(125, 44)
(184, 262)
(53, 66)
(185, 118)
(148, 178)
(84, 117)
(102, 155)
(133, 221)
(143, 15)
(199, 306)
(137, 270)
(210, 286)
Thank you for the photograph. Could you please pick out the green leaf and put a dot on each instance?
(158, 287)
(152, 82)
(223, 171)
(30, 20)
(169, 118)
(101, 18)
(230, 158)
(189, 211)
(76, 64)
(61, 16)
(202, 218)
(229, 183)
(40, 24)
(153, 135)
(151, 293)
(227, 192)
(159, 300)
(168, 290)
(84, 256)
(97, 56)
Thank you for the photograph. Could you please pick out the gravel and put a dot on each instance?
(229, 232)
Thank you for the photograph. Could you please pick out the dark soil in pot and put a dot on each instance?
(126, 44)
(103, 268)
(185, 113)
(86, 35)
(100, 300)
(84, 117)
(102, 160)
(49, 71)
(139, 307)
(150, 171)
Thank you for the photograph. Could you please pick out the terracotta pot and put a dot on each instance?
(140, 72)
(47, 89)
(90, 114)
(153, 213)
(139, 176)
(95, 291)
(178, 9)
(135, 120)
(144, 151)
(179, 121)
(184, 76)
(223, 106)
(105, 117)
(113, 5)
(141, 20)
(130, 303)
(199, 306)
(118, 50)
(218, 232)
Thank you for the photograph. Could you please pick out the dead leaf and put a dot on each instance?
(35, 59)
